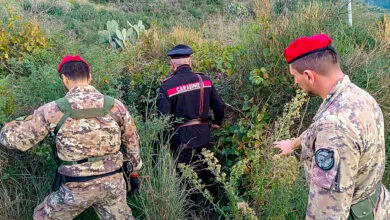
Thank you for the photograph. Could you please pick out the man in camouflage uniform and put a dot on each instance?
(343, 150)
(88, 147)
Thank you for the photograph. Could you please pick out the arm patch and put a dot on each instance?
(324, 159)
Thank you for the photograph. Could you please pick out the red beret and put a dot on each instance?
(70, 59)
(304, 46)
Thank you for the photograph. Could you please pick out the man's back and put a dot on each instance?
(180, 95)
(79, 139)
(90, 129)
(183, 91)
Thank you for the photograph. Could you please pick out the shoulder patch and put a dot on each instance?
(324, 159)
(188, 87)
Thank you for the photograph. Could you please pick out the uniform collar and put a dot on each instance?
(78, 89)
(182, 68)
(337, 89)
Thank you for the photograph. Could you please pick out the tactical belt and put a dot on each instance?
(89, 159)
(87, 178)
(196, 121)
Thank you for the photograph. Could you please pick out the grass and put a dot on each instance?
(162, 195)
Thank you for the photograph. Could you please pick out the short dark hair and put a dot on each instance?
(319, 61)
(75, 70)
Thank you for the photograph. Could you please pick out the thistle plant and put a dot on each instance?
(188, 173)
(291, 112)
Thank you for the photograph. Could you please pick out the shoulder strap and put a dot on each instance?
(109, 103)
(65, 108)
(64, 105)
(201, 98)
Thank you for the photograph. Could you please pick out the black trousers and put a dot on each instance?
(194, 157)
(189, 155)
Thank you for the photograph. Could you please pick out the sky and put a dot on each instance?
(382, 3)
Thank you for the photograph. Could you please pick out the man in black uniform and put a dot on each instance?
(189, 96)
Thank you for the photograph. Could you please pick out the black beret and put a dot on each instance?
(180, 50)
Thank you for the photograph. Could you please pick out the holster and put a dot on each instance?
(127, 168)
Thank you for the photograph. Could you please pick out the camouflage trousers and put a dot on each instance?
(107, 195)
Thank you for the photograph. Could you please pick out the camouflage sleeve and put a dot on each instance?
(297, 141)
(130, 138)
(24, 134)
(333, 173)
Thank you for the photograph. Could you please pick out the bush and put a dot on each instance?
(38, 7)
(17, 39)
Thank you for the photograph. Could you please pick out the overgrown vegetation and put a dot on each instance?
(238, 44)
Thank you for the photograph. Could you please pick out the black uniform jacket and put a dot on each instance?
(179, 96)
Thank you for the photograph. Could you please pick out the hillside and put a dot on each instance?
(238, 44)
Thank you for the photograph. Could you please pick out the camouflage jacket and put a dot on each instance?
(343, 152)
(81, 138)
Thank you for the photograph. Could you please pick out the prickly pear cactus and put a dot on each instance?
(121, 38)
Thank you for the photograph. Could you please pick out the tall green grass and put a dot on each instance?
(162, 194)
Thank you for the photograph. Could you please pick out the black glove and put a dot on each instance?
(134, 183)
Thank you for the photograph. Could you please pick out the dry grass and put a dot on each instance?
(221, 29)
(263, 8)
(186, 36)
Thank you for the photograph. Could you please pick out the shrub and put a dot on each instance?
(18, 38)
(264, 183)
(50, 7)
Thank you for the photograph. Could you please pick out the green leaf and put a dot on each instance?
(120, 43)
(130, 33)
(228, 65)
(119, 34)
(124, 34)
(5, 176)
(266, 52)
(113, 44)
(112, 26)
(245, 106)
